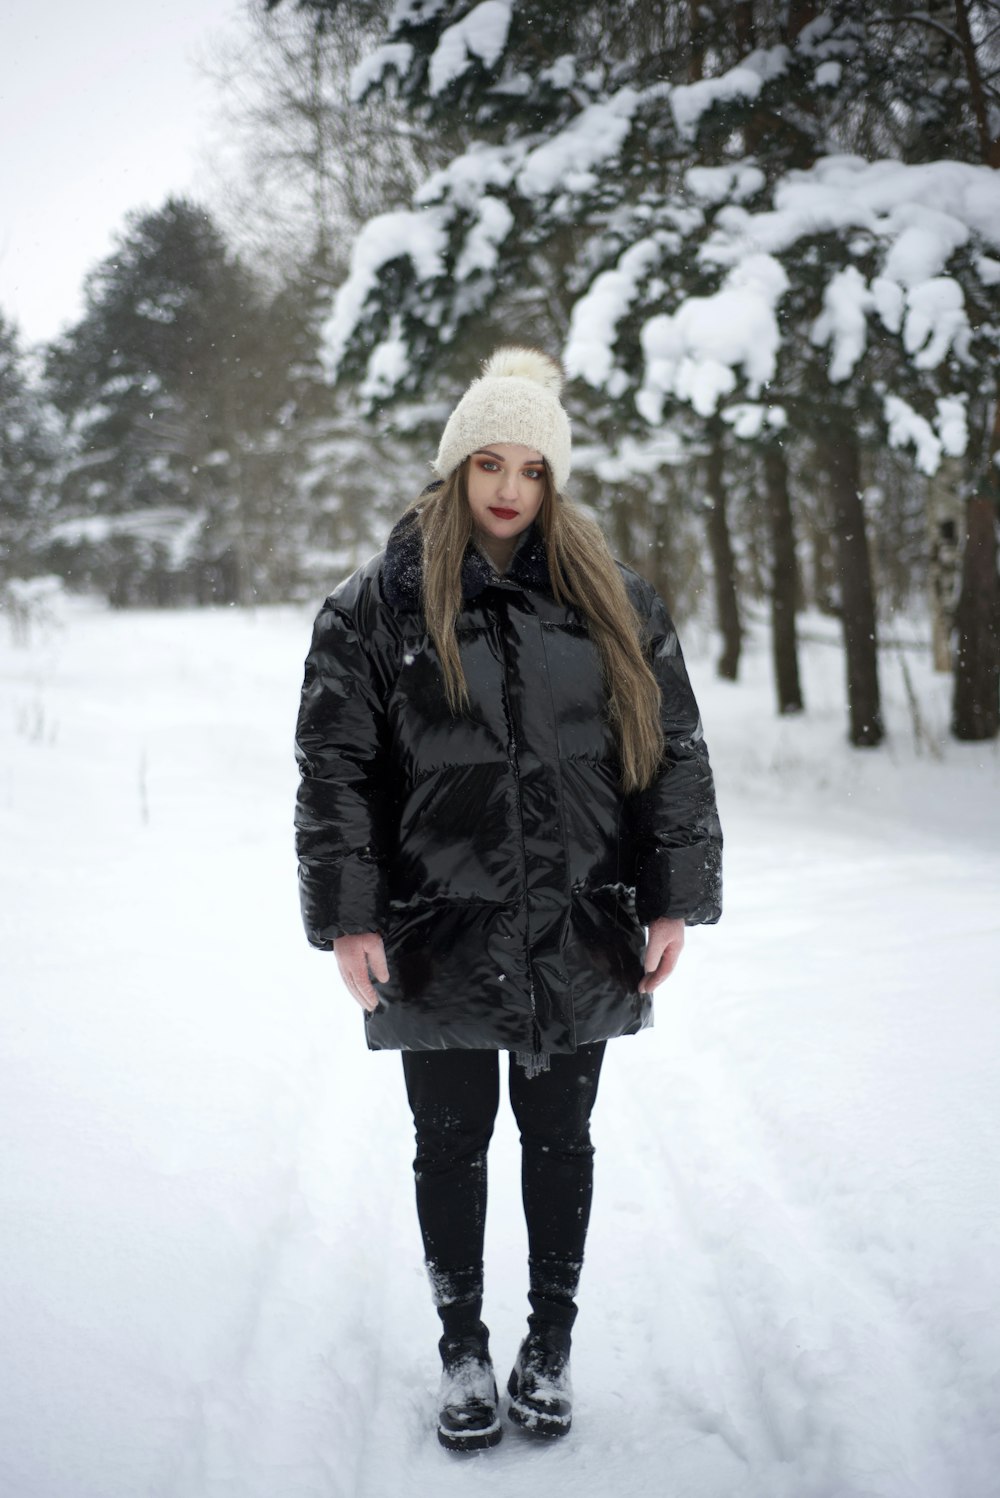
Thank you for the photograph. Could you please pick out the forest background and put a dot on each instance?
(763, 237)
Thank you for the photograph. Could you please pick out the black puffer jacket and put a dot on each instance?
(496, 854)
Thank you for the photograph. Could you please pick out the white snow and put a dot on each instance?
(889, 301)
(171, 526)
(481, 33)
(907, 427)
(632, 457)
(494, 222)
(570, 158)
(988, 270)
(843, 321)
(210, 1272)
(925, 244)
(889, 204)
(589, 349)
(562, 73)
(371, 69)
(722, 184)
(935, 322)
(888, 198)
(464, 180)
(748, 418)
(692, 353)
(947, 436)
(419, 236)
(387, 365)
(828, 74)
(689, 101)
(953, 424)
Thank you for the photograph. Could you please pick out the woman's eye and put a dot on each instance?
(534, 473)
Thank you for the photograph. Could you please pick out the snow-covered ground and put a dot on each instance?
(210, 1281)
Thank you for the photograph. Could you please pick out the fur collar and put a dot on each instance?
(402, 566)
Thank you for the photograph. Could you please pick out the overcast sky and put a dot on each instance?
(102, 109)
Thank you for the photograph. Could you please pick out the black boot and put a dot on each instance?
(468, 1414)
(541, 1395)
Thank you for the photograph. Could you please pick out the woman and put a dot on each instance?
(503, 781)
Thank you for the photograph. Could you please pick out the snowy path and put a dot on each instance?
(210, 1283)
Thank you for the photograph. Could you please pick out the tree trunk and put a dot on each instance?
(726, 603)
(976, 702)
(661, 551)
(944, 526)
(855, 579)
(696, 47)
(622, 525)
(989, 144)
(799, 15)
(784, 582)
(743, 26)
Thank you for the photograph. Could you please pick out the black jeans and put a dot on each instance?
(454, 1097)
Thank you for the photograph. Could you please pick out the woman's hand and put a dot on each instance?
(664, 943)
(361, 958)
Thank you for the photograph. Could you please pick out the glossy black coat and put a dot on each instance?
(495, 852)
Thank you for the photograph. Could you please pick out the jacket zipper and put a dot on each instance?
(536, 1037)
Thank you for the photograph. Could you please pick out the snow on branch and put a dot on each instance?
(694, 353)
(843, 322)
(749, 419)
(463, 181)
(935, 323)
(480, 252)
(371, 69)
(885, 197)
(589, 350)
(724, 184)
(689, 101)
(420, 237)
(953, 424)
(591, 140)
(907, 427)
(890, 201)
(481, 34)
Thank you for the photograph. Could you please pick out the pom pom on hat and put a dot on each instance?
(516, 400)
(525, 364)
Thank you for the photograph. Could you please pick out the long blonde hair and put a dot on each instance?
(584, 574)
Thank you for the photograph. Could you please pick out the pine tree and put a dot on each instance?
(29, 452)
(676, 171)
(172, 485)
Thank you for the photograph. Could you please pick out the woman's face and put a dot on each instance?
(505, 484)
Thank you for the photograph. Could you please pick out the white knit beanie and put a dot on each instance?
(517, 400)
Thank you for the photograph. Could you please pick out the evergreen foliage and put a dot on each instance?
(29, 455)
(173, 488)
(764, 236)
(741, 214)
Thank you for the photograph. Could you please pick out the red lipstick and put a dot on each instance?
(501, 513)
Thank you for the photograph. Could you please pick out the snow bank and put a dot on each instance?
(212, 1279)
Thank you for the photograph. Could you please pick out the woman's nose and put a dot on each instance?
(508, 486)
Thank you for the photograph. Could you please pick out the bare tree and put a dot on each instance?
(314, 163)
